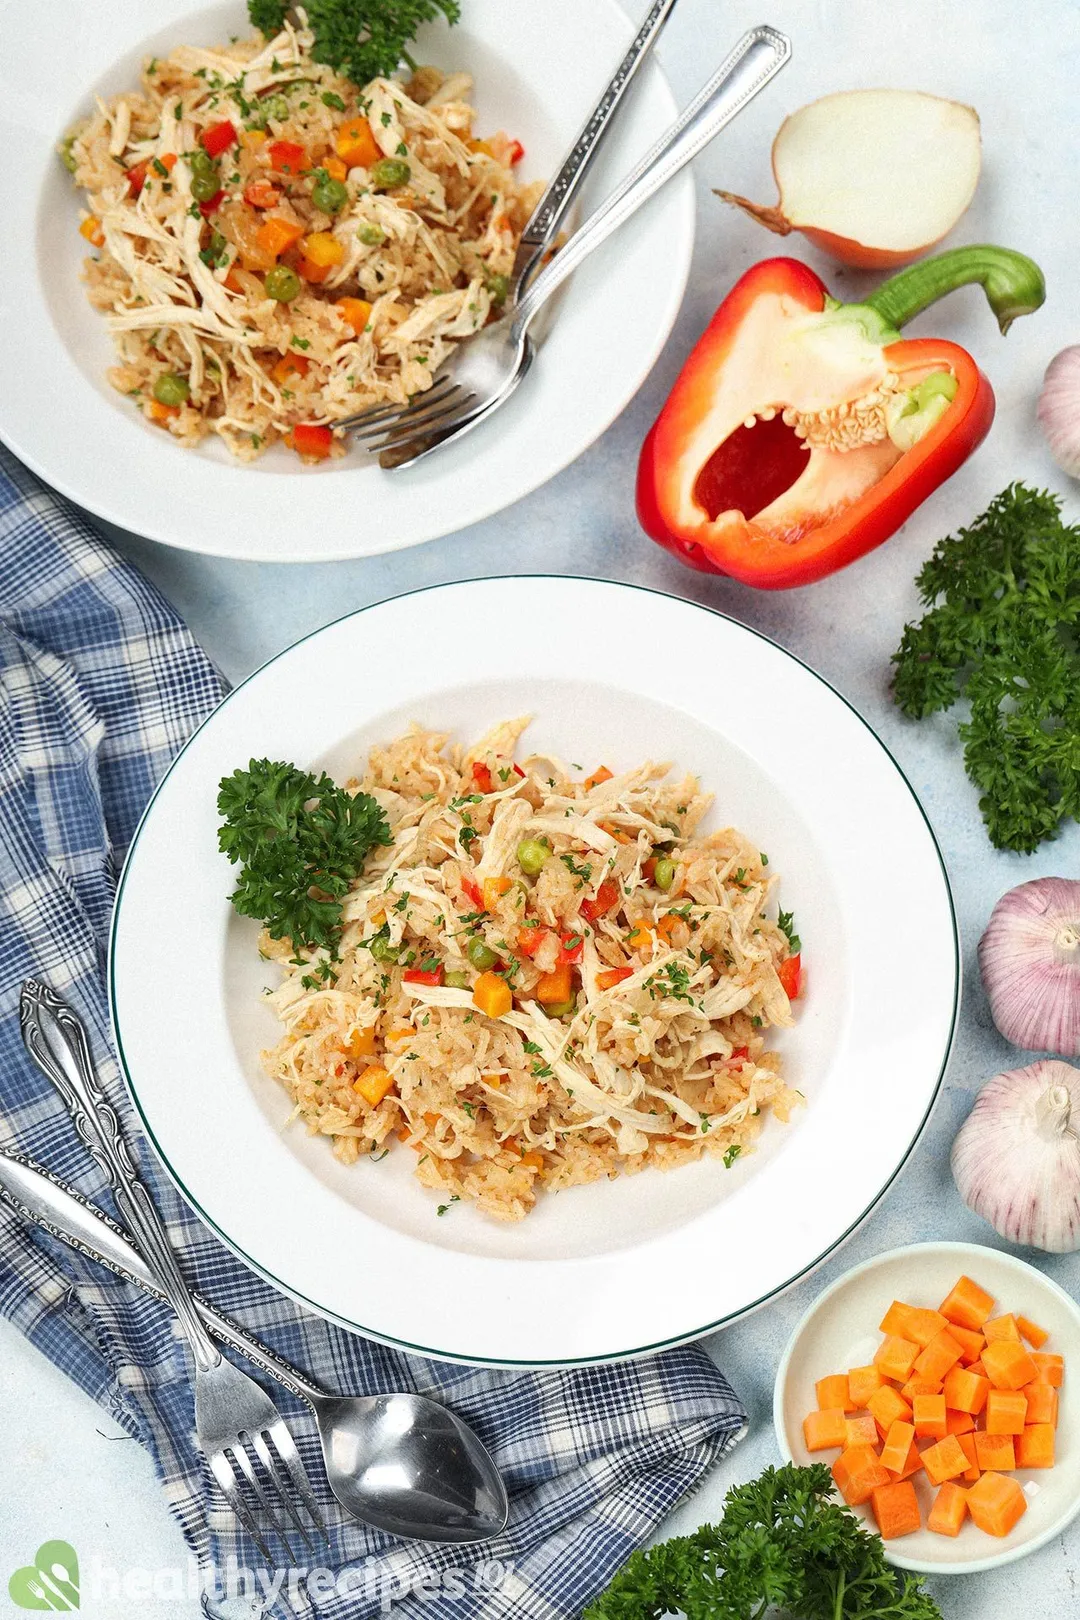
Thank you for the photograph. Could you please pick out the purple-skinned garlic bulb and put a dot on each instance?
(1016, 1158)
(1030, 962)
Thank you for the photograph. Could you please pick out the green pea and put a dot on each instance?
(480, 955)
(382, 950)
(330, 196)
(532, 854)
(456, 981)
(499, 288)
(201, 162)
(664, 873)
(561, 1009)
(205, 185)
(282, 283)
(170, 389)
(390, 172)
(67, 156)
(370, 235)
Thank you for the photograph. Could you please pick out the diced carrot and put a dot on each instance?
(601, 774)
(492, 995)
(887, 1406)
(945, 1460)
(311, 439)
(357, 311)
(858, 1472)
(362, 1043)
(275, 235)
(996, 1504)
(666, 926)
(898, 1443)
(1042, 1402)
(967, 1446)
(1048, 1369)
(261, 193)
(995, 1452)
(289, 366)
(928, 1412)
(91, 229)
(315, 273)
(335, 168)
(958, 1422)
(895, 1319)
(912, 1464)
(356, 145)
(939, 1357)
(160, 413)
(373, 1084)
(860, 1431)
(533, 1160)
(556, 986)
(922, 1326)
(862, 1383)
(1032, 1332)
(967, 1304)
(949, 1510)
(1008, 1365)
(825, 1428)
(323, 248)
(1000, 1327)
(613, 976)
(833, 1391)
(895, 1357)
(493, 890)
(896, 1509)
(971, 1343)
(920, 1386)
(640, 937)
(1006, 1412)
(977, 1368)
(1035, 1446)
(965, 1391)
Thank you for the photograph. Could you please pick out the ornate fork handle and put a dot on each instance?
(551, 210)
(55, 1038)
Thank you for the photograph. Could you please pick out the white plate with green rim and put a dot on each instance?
(538, 70)
(840, 1331)
(619, 1267)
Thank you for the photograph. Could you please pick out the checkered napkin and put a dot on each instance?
(100, 684)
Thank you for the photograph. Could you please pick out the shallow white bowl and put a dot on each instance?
(840, 1331)
(616, 674)
(538, 71)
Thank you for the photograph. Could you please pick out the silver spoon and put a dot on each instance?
(402, 1463)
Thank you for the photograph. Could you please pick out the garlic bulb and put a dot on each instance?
(1030, 962)
(1059, 409)
(1016, 1158)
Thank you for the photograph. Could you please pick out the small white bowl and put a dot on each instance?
(840, 1330)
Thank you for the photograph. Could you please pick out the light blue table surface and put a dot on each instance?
(75, 1474)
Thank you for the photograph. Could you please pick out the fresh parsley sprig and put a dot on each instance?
(360, 39)
(782, 1543)
(300, 841)
(1003, 631)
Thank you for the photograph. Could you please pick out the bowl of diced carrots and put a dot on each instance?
(932, 1381)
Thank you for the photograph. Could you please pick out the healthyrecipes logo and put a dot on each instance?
(50, 1582)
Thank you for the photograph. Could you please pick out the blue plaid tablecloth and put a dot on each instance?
(100, 685)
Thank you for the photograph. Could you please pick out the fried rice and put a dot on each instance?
(629, 967)
(386, 283)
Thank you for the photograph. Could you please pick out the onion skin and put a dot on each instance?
(844, 249)
(1020, 1175)
(1059, 409)
(1029, 957)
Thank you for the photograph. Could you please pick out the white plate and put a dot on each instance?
(615, 674)
(838, 1332)
(538, 70)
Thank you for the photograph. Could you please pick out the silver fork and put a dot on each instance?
(240, 1430)
(485, 370)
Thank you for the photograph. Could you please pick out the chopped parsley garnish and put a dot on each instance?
(731, 1154)
(786, 924)
(331, 99)
(583, 872)
(532, 1048)
(442, 1209)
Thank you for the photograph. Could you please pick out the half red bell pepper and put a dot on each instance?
(802, 432)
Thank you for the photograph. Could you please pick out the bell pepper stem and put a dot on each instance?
(1012, 282)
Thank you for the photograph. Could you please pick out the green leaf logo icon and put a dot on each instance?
(50, 1582)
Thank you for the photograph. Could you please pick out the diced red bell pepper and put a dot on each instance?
(211, 207)
(727, 483)
(606, 899)
(136, 176)
(517, 152)
(530, 937)
(790, 975)
(610, 977)
(311, 439)
(482, 776)
(738, 1054)
(286, 157)
(218, 138)
(424, 975)
(571, 947)
(518, 771)
(471, 891)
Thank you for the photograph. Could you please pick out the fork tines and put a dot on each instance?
(271, 1490)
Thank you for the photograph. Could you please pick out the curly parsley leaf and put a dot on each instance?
(360, 39)
(782, 1543)
(786, 924)
(300, 841)
(1002, 631)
